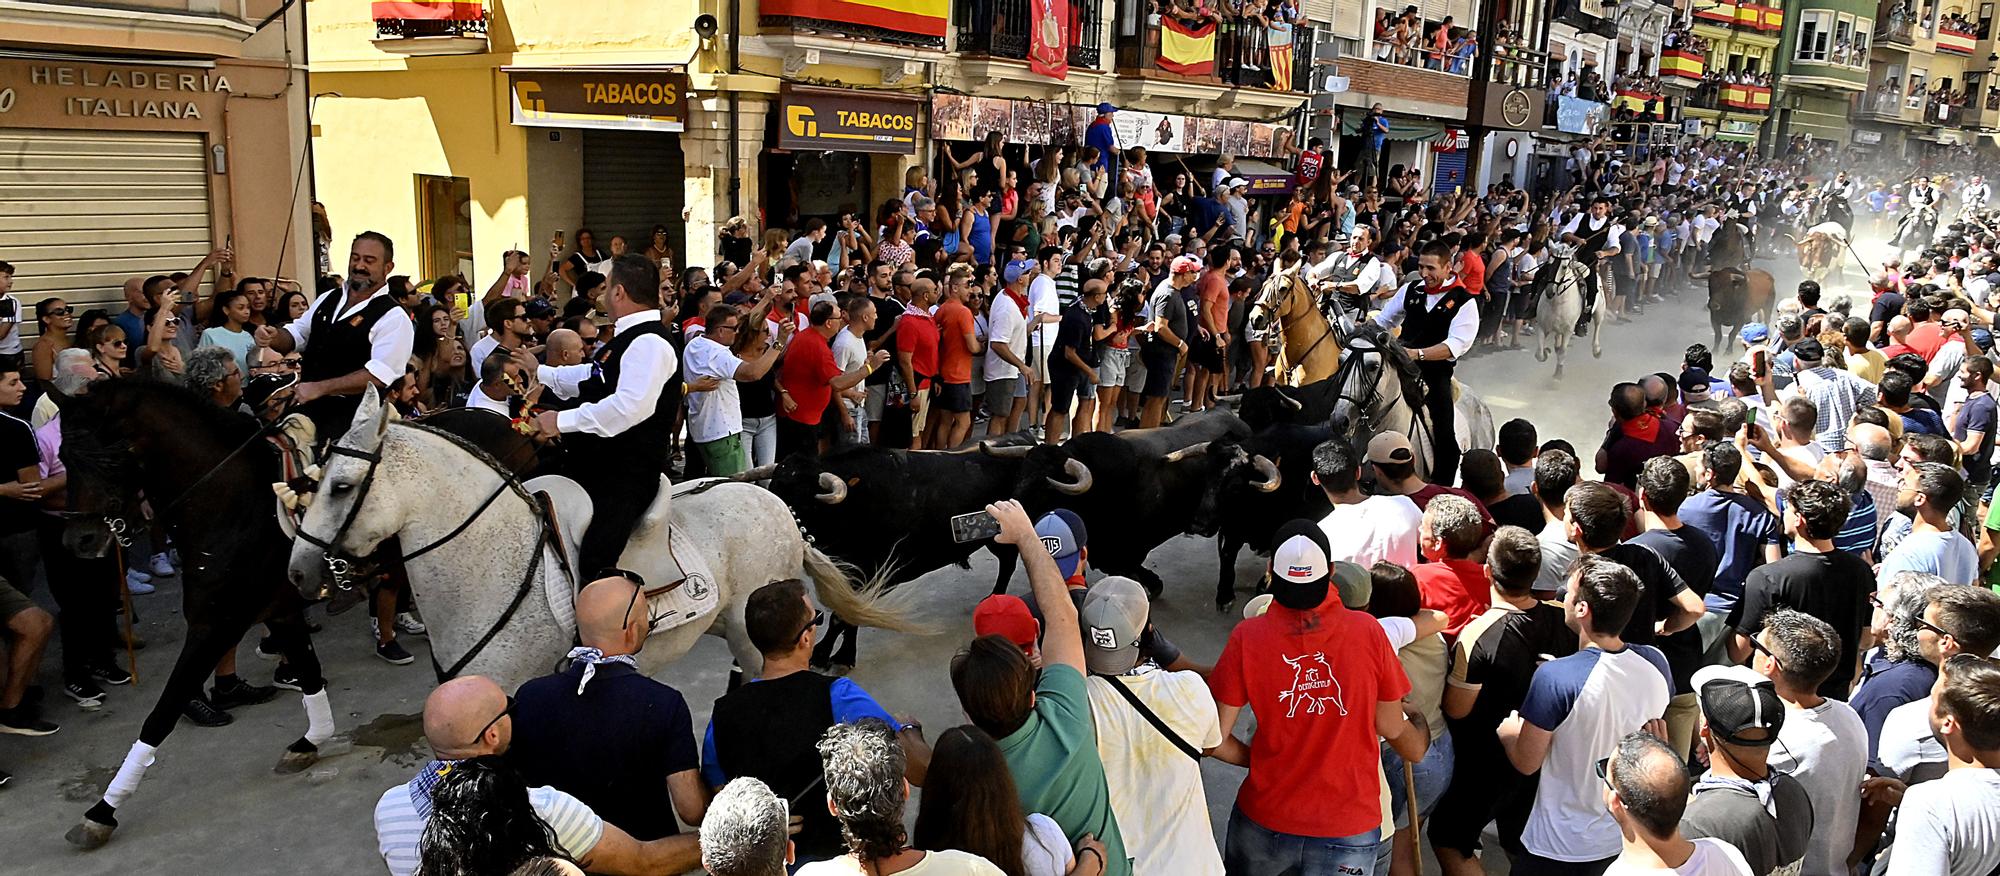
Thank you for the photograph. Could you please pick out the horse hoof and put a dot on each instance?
(1596, 352)
(88, 835)
(1222, 606)
(293, 762)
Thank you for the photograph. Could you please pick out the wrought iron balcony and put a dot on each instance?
(1000, 29)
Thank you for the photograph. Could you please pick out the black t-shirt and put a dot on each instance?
(1978, 414)
(1522, 510)
(17, 451)
(1662, 584)
(887, 311)
(1690, 553)
(1832, 586)
(1498, 652)
(612, 747)
(1885, 308)
(1074, 334)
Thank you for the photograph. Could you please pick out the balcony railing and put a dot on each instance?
(416, 19)
(1878, 104)
(1895, 24)
(1232, 51)
(1000, 29)
(1519, 66)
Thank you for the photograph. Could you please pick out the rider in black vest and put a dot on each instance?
(350, 338)
(1440, 318)
(1595, 236)
(618, 437)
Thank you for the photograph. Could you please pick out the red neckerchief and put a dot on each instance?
(1644, 428)
(1020, 299)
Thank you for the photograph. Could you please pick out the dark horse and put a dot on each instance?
(207, 473)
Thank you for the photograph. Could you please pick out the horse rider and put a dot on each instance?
(619, 434)
(1353, 275)
(351, 337)
(1975, 194)
(1595, 235)
(1440, 319)
(1921, 207)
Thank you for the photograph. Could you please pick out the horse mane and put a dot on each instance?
(190, 409)
(1398, 357)
(477, 452)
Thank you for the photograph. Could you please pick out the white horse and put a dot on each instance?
(1372, 398)
(1556, 314)
(490, 581)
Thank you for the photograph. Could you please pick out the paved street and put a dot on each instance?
(213, 805)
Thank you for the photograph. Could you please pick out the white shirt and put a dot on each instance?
(1826, 749)
(1584, 226)
(1519, 478)
(1906, 742)
(1156, 790)
(1005, 325)
(1704, 228)
(1712, 857)
(398, 830)
(1373, 530)
(1464, 323)
(1044, 849)
(478, 399)
(389, 339)
(481, 349)
(713, 415)
(643, 372)
(10, 314)
(1366, 283)
(1044, 299)
(1588, 701)
(949, 862)
(1949, 827)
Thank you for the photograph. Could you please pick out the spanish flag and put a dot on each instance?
(428, 10)
(919, 17)
(1189, 51)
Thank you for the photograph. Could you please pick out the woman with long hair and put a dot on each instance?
(52, 316)
(970, 804)
(865, 788)
(1114, 353)
(161, 358)
(291, 307)
(482, 823)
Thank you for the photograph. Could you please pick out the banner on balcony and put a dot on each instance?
(428, 10)
(1187, 50)
(1048, 38)
(1279, 35)
(920, 17)
(1574, 115)
(1949, 40)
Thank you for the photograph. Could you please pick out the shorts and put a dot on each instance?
(954, 398)
(1159, 360)
(1483, 788)
(1135, 372)
(1204, 354)
(878, 397)
(13, 601)
(1000, 395)
(723, 456)
(1653, 270)
(1112, 365)
(1067, 385)
(920, 410)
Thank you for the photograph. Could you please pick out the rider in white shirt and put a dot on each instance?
(1975, 194)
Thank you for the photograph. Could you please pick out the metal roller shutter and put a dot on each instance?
(81, 211)
(631, 182)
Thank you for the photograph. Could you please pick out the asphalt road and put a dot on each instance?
(213, 805)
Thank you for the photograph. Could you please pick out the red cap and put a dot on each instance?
(1006, 616)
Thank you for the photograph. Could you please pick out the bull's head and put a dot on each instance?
(1232, 474)
(1270, 405)
(802, 481)
(1049, 469)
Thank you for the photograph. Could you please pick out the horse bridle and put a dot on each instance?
(1278, 317)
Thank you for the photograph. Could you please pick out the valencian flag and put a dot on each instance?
(1187, 50)
(919, 17)
(1280, 38)
(1048, 38)
(428, 10)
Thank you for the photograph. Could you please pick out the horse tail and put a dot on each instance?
(873, 604)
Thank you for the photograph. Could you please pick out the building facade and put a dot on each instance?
(1739, 41)
(136, 136)
(1823, 59)
(1919, 57)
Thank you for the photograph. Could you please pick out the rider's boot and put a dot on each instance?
(1589, 306)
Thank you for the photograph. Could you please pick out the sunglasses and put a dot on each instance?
(118, 344)
(496, 719)
(1604, 773)
(638, 587)
(290, 362)
(173, 320)
(58, 311)
(818, 618)
(1761, 648)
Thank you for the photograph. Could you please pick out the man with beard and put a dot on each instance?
(351, 337)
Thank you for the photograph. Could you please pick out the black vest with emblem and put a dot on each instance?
(646, 441)
(338, 347)
(770, 730)
(1427, 326)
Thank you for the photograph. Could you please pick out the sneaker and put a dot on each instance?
(394, 653)
(163, 566)
(204, 713)
(138, 583)
(288, 678)
(407, 624)
(88, 696)
(237, 692)
(20, 721)
(268, 651)
(110, 674)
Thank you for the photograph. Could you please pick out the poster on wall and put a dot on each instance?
(1048, 38)
(1158, 132)
(1261, 137)
(1207, 137)
(1235, 138)
(951, 116)
(1030, 123)
(1062, 125)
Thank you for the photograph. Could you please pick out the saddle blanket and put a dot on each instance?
(680, 586)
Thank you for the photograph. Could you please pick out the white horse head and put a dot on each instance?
(345, 520)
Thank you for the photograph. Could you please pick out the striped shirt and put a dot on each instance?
(398, 829)
(1857, 535)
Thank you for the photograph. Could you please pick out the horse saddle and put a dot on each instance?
(678, 584)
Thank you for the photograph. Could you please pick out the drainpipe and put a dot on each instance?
(735, 156)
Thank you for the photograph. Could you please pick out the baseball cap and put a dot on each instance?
(1808, 350)
(1103, 108)
(1300, 570)
(1742, 707)
(1186, 264)
(1006, 616)
(1982, 338)
(1064, 535)
(1390, 447)
(259, 389)
(1355, 584)
(1755, 333)
(1019, 267)
(540, 308)
(1113, 617)
(736, 299)
(1694, 380)
(1235, 182)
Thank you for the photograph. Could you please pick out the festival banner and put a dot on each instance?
(1682, 63)
(1048, 39)
(918, 17)
(1279, 35)
(1189, 51)
(1723, 12)
(1157, 132)
(428, 10)
(1949, 40)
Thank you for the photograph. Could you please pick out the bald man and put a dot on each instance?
(1877, 450)
(1646, 791)
(641, 752)
(469, 717)
(565, 347)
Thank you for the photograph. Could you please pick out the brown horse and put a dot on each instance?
(1310, 348)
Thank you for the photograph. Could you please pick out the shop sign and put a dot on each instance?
(651, 100)
(848, 121)
(45, 93)
(1867, 138)
(1740, 127)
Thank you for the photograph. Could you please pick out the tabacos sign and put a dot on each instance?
(609, 98)
(848, 121)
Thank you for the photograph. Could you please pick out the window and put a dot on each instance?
(1916, 89)
(1815, 32)
(1864, 29)
(1843, 39)
(444, 216)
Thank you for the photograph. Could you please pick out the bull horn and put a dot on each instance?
(1290, 402)
(832, 490)
(1009, 452)
(1269, 470)
(760, 473)
(1188, 451)
(1079, 478)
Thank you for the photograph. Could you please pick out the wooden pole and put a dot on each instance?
(125, 600)
(1410, 803)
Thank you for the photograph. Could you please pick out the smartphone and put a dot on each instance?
(977, 526)
(1750, 417)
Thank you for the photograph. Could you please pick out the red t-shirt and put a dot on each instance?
(1313, 679)
(1213, 288)
(917, 335)
(1894, 350)
(1459, 588)
(1926, 338)
(808, 375)
(1472, 272)
(954, 322)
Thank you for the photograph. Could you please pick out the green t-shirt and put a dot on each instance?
(1054, 761)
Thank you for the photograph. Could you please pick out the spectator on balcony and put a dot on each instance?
(1438, 45)
(1463, 47)
(1104, 138)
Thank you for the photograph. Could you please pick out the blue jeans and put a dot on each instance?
(760, 440)
(1250, 849)
(1433, 777)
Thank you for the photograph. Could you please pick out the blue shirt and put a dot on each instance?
(1858, 533)
(1101, 135)
(850, 704)
(1741, 528)
(1884, 686)
(1923, 420)
(1376, 132)
(135, 333)
(638, 733)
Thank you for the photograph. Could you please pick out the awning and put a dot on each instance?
(1265, 178)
